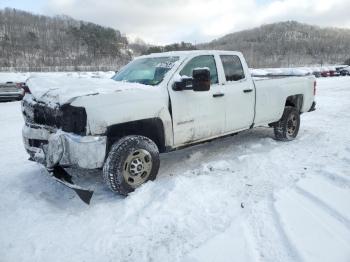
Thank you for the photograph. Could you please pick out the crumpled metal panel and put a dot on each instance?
(66, 149)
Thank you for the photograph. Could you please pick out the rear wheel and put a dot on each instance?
(131, 162)
(287, 127)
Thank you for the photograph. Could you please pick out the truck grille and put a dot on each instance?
(68, 118)
(47, 116)
(36, 113)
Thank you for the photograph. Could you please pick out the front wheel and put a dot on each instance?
(287, 127)
(131, 162)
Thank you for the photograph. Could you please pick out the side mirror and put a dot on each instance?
(201, 79)
(184, 84)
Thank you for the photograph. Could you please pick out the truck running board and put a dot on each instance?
(61, 176)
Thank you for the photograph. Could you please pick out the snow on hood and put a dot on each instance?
(58, 90)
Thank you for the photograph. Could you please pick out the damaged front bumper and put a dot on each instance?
(61, 176)
(52, 148)
(56, 149)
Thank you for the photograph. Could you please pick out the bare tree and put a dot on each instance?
(36, 42)
(287, 44)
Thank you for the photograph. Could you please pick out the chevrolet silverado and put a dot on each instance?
(155, 104)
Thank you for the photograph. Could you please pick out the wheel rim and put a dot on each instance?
(137, 167)
(292, 124)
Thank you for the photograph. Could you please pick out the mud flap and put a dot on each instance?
(61, 176)
(313, 107)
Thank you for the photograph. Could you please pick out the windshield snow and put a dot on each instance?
(147, 71)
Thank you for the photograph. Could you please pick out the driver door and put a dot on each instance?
(198, 115)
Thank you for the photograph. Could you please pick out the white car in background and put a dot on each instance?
(10, 91)
(345, 71)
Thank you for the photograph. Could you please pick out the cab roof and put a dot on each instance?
(191, 52)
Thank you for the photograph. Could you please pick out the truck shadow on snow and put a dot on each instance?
(43, 187)
(230, 147)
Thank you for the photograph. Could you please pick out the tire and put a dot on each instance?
(131, 162)
(287, 128)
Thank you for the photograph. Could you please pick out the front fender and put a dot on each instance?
(104, 111)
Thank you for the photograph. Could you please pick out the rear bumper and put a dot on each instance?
(55, 147)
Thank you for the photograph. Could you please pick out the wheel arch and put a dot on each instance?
(295, 101)
(152, 128)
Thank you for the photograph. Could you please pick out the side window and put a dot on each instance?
(232, 67)
(202, 61)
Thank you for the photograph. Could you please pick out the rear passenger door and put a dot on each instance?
(239, 94)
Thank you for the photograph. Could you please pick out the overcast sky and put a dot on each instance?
(168, 21)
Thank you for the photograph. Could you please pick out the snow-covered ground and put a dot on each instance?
(242, 198)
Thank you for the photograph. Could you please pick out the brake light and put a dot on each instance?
(315, 83)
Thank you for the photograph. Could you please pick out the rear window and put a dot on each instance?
(233, 67)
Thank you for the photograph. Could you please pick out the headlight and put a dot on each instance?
(73, 119)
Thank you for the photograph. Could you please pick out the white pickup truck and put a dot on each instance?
(155, 104)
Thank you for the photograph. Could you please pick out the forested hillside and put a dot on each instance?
(31, 42)
(287, 44)
(34, 43)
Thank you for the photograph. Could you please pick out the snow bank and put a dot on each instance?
(13, 77)
(280, 72)
(22, 77)
(258, 72)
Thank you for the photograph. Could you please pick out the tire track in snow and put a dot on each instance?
(316, 234)
(292, 249)
(336, 179)
(268, 235)
(324, 206)
(329, 193)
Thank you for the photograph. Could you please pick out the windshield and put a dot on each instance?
(147, 71)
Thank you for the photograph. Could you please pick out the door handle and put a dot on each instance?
(218, 95)
(247, 90)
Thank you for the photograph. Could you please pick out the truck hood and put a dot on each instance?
(58, 90)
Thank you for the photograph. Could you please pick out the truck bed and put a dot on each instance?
(271, 94)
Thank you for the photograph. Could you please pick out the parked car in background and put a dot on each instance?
(338, 68)
(317, 72)
(345, 71)
(333, 71)
(10, 91)
(325, 72)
